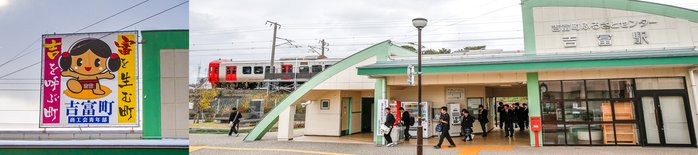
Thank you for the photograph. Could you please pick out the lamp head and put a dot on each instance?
(419, 22)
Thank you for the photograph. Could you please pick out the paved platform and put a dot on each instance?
(494, 144)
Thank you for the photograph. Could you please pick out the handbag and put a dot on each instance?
(385, 129)
(438, 127)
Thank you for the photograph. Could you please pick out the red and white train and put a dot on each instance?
(227, 71)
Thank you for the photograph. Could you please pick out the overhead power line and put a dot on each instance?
(144, 19)
(25, 52)
(113, 15)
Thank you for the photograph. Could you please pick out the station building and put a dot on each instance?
(597, 72)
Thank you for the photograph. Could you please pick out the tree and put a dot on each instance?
(430, 51)
(205, 99)
(440, 51)
(469, 48)
(409, 47)
(444, 51)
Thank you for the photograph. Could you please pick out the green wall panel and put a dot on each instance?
(154, 41)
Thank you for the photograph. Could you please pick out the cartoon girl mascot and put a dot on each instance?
(88, 61)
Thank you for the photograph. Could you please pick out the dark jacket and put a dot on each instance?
(517, 111)
(467, 121)
(483, 116)
(234, 119)
(445, 126)
(522, 113)
(404, 117)
(389, 120)
(508, 116)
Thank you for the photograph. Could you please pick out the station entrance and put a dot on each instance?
(467, 97)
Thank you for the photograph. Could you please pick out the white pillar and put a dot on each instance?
(286, 123)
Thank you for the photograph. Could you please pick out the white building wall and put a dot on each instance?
(323, 122)
(348, 79)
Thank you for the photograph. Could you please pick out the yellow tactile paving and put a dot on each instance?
(473, 150)
(195, 148)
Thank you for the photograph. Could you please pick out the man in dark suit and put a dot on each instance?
(406, 120)
(483, 119)
(523, 117)
(500, 108)
(508, 117)
(389, 121)
(445, 126)
(234, 119)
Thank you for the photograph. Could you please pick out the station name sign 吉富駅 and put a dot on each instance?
(89, 80)
(584, 26)
(570, 41)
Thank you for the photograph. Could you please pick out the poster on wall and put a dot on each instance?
(89, 80)
(455, 93)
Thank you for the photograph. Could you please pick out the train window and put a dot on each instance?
(233, 70)
(304, 69)
(327, 66)
(258, 70)
(247, 70)
(227, 70)
(317, 68)
(266, 69)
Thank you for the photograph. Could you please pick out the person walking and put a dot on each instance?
(234, 119)
(523, 116)
(445, 126)
(407, 121)
(389, 122)
(500, 110)
(508, 117)
(483, 119)
(516, 110)
(467, 125)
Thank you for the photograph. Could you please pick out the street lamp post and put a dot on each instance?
(419, 23)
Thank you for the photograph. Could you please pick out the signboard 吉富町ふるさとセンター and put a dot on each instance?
(89, 80)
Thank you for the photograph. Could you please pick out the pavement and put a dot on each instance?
(205, 144)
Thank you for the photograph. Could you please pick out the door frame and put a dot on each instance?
(369, 113)
(655, 94)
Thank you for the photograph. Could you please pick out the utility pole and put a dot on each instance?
(198, 74)
(323, 48)
(273, 50)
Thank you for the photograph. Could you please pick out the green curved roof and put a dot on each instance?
(381, 50)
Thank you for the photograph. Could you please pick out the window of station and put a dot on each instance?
(317, 68)
(258, 70)
(304, 69)
(246, 70)
(588, 112)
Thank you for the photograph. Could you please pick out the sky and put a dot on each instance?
(237, 30)
(24, 21)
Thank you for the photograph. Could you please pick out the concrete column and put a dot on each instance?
(533, 90)
(286, 123)
(378, 94)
